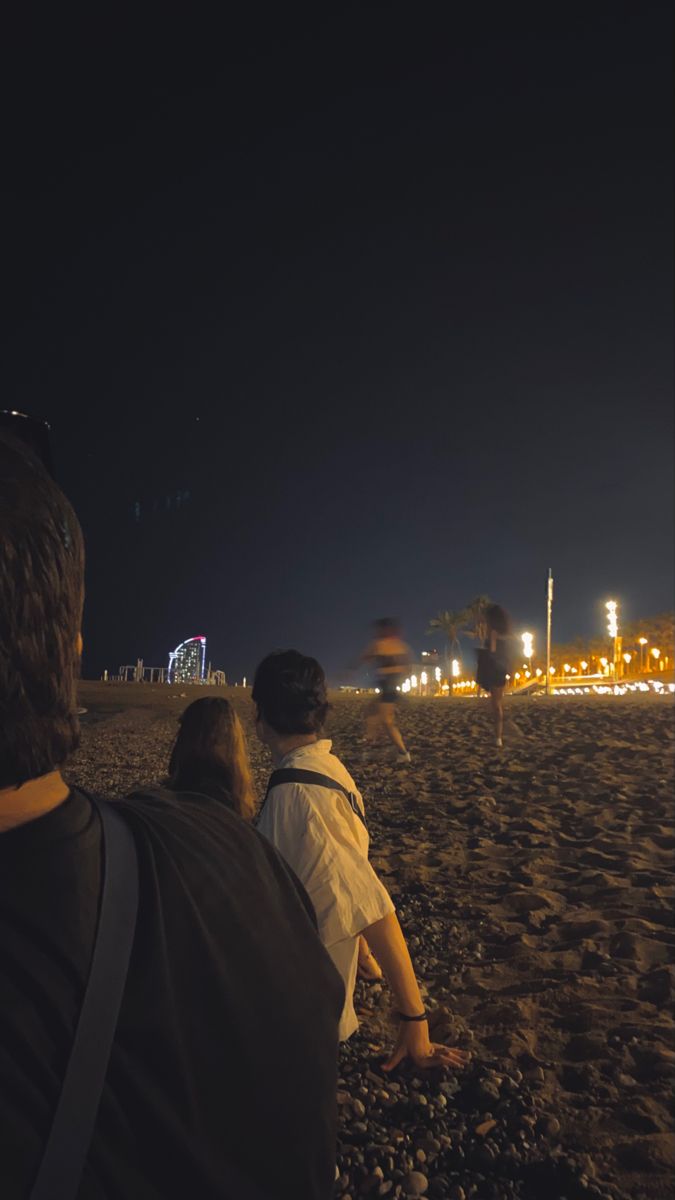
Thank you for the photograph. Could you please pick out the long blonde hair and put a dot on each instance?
(211, 745)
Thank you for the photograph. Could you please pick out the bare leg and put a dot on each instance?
(369, 967)
(497, 702)
(391, 728)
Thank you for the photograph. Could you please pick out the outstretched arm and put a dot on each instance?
(385, 937)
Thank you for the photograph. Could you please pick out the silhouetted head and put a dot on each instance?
(387, 627)
(210, 748)
(289, 692)
(41, 597)
(498, 619)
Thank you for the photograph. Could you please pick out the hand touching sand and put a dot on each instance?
(386, 940)
(413, 1042)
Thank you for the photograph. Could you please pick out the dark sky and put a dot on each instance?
(388, 293)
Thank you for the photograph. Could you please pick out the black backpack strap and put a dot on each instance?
(297, 775)
(73, 1126)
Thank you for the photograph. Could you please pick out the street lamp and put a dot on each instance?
(528, 647)
(613, 628)
(642, 642)
(584, 666)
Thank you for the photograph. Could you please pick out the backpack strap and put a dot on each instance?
(315, 778)
(72, 1128)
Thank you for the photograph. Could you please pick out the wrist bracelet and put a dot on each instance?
(422, 1017)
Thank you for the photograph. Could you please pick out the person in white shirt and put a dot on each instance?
(313, 813)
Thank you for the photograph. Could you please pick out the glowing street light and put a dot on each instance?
(413, 681)
(642, 642)
(567, 668)
(528, 644)
(627, 658)
(437, 674)
(455, 668)
(423, 679)
(613, 630)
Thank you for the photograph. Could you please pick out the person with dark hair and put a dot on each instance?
(494, 663)
(220, 1018)
(390, 658)
(209, 756)
(314, 815)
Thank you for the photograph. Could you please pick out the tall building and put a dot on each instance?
(186, 662)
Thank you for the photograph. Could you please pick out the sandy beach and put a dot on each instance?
(535, 887)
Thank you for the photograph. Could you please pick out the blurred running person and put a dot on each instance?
(390, 659)
(494, 663)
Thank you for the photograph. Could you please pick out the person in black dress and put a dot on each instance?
(494, 663)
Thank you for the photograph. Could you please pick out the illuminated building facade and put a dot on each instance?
(186, 662)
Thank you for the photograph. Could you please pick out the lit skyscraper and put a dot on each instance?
(186, 662)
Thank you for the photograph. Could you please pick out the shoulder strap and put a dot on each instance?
(73, 1125)
(297, 775)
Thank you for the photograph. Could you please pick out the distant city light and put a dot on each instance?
(423, 679)
(186, 662)
(656, 653)
(528, 647)
(437, 674)
(642, 641)
(413, 681)
(584, 666)
(612, 618)
(455, 668)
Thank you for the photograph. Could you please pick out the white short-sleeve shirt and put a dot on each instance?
(326, 844)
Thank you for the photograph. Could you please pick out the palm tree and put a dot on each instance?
(476, 610)
(452, 625)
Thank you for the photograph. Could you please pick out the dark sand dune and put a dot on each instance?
(535, 887)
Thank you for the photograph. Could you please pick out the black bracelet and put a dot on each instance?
(422, 1017)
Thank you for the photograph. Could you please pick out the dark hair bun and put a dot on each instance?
(290, 692)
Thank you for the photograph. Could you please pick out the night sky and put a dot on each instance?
(353, 315)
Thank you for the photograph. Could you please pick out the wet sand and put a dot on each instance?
(535, 888)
